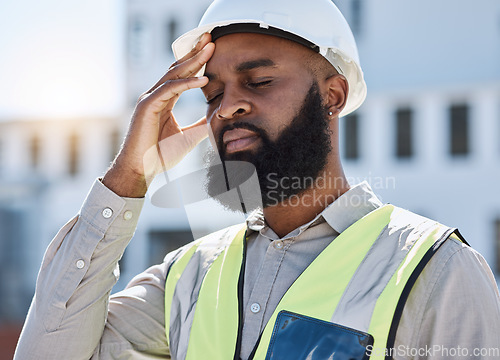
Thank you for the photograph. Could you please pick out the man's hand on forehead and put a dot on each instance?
(155, 142)
(202, 42)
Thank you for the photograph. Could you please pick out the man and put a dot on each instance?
(278, 74)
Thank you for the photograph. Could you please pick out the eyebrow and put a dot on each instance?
(247, 66)
(252, 64)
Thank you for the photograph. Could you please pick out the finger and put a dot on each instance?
(204, 40)
(168, 128)
(202, 121)
(169, 106)
(199, 47)
(192, 134)
(193, 65)
(161, 97)
(196, 133)
(175, 146)
(188, 68)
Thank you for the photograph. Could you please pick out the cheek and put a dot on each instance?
(289, 97)
(279, 116)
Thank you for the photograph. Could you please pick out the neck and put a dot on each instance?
(299, 210)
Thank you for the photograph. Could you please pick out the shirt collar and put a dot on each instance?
(355, 203)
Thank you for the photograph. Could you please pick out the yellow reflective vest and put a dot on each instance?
(361, 280)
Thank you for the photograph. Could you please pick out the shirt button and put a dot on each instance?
(127, 215)
(278, 244)
(107, 213)
(80, 264)
(255, 308)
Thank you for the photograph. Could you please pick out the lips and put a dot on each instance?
(239, 139)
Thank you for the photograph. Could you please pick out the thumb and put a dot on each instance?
(173, 149)
(195, 132)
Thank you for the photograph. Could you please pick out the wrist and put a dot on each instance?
(125, 183)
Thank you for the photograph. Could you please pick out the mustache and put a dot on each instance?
(240, 125)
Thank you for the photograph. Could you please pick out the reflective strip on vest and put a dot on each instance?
(357, 281)
(192, 271)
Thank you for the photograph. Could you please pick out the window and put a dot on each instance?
(459, 130)
(139, 41)
(34, 151)
(172, 29)
(14, 301)
(351, 137)
(73, 154)
(161, 242)
(497, 246)
(404, 136)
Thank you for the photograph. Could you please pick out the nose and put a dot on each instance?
(232, 105)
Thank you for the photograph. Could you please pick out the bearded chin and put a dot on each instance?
(234, 184)
(248, 180)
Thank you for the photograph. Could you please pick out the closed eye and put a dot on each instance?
(259, 84)
(211, 100)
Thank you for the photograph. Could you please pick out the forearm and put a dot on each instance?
(69, 310)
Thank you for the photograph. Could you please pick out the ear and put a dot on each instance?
(336, 90)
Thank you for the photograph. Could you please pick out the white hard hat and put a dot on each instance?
(319, 22)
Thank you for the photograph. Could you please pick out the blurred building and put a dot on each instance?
(61, 122)
(426, 138)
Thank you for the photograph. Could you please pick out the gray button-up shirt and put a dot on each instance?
(453, 311)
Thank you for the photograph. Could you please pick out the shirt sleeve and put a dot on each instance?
(135, 328)
(68, 313)
(453, 311)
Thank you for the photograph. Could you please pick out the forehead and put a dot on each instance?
(234, 49)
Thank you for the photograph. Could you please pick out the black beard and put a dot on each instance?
(300, 152)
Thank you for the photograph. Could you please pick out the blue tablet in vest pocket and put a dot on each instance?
(301, 337)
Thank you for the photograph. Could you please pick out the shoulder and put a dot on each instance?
(454, 270)
(454, 257)
(455, 301)
(405, 219)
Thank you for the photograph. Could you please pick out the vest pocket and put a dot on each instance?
(302, 337)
